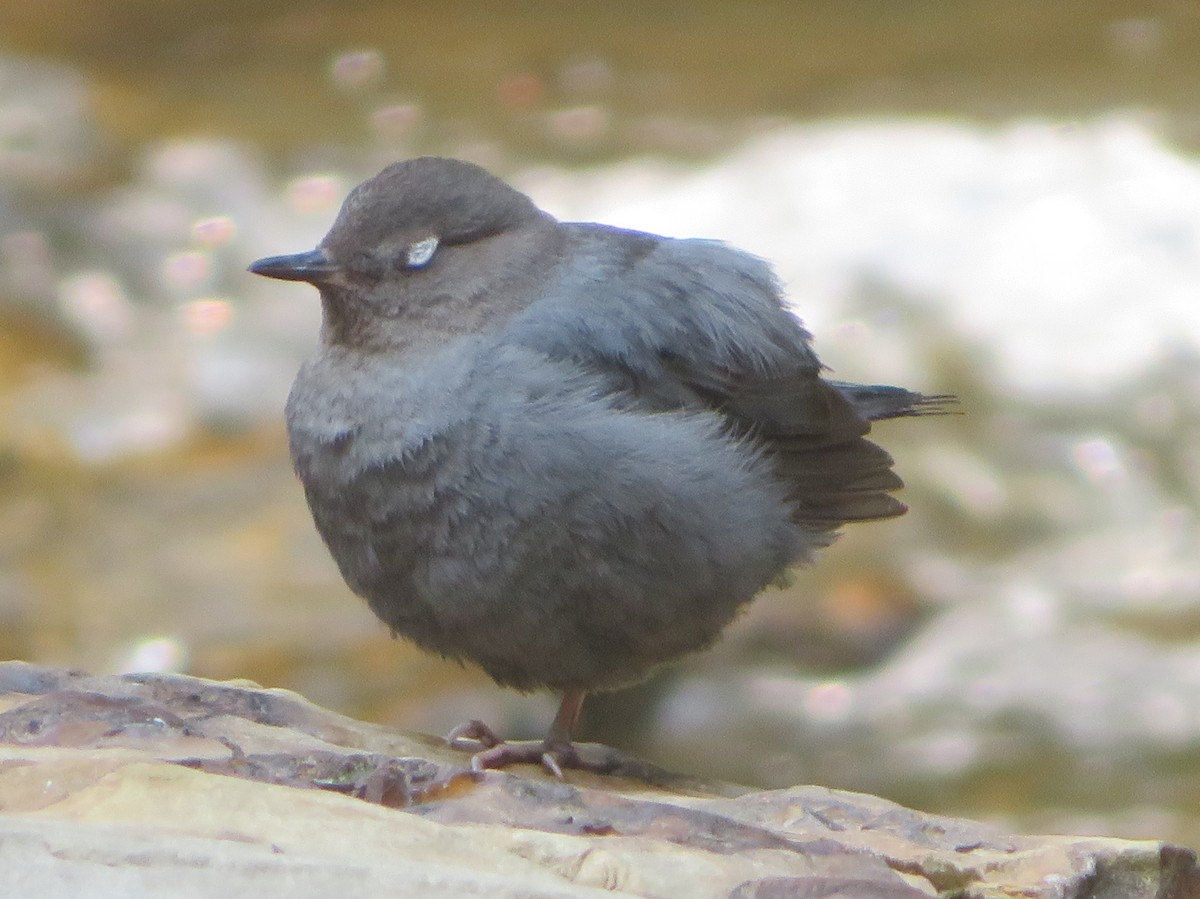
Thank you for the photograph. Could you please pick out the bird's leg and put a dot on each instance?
(558, 750)
(554, 753)
(562, 730)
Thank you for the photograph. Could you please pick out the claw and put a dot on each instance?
(554, 754)
(550, 763)
(474, 732)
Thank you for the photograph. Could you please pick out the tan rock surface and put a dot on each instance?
(161, 785)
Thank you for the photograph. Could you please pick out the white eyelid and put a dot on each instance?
(421, 252)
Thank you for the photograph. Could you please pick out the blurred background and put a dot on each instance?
(1000, 200)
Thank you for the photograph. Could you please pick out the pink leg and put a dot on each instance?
(554, 753)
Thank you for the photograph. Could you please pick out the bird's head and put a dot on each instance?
(400, 237)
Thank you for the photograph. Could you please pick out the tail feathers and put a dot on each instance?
(841, 476)
(876, 402)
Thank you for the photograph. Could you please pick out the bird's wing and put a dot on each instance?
(672, 324)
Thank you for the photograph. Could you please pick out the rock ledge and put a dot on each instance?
(153, 785)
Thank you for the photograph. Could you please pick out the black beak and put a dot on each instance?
(313, 267)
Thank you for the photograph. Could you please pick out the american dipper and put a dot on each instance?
(566, 452)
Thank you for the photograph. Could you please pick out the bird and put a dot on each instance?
(565, 452)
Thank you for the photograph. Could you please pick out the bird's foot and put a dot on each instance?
(553, 755)
(471, 735)
(496, 753)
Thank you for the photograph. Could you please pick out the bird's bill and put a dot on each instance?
(313, 266)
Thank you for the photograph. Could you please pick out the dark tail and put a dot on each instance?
(876, 402)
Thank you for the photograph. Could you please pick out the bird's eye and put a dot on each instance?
(421, 252)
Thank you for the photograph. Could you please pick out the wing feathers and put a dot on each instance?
(671, 324)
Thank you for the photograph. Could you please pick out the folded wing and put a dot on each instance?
(670, 324)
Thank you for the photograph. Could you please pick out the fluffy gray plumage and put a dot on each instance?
(565, 452)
